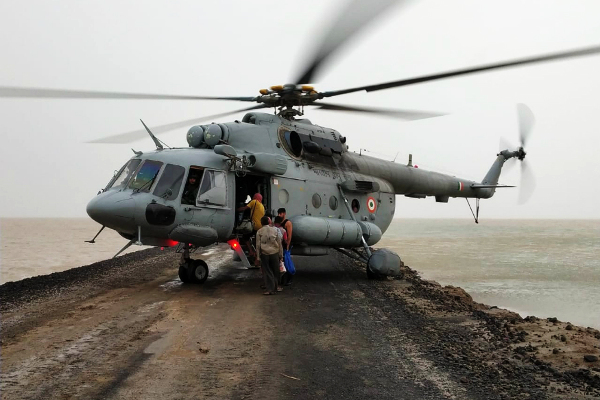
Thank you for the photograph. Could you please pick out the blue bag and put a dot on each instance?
(289, 264)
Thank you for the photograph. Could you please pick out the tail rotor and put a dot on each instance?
(526, 122)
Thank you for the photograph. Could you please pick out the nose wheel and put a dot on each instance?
(193, 271)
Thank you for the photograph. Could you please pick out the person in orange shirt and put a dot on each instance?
(257, 211)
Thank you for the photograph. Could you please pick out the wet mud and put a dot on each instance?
(129, 329)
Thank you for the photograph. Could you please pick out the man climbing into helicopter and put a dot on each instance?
(257, 211)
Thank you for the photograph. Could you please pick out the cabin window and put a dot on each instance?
(213, 189)
(170, 182)
(333, 203)
(146, 176)
(316, 200)
(284, 196)
(355, 205)
(120, 180)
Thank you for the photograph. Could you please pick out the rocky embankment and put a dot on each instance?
(556, 354)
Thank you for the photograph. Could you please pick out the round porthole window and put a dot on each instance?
(355, 206)
(284, 196)
(333, 203)
(316, 200)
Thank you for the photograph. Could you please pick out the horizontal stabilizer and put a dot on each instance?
(476, 186)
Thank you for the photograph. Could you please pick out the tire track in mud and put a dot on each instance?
(339, 347)
(208, 344)
(331, 335)
(75, 368)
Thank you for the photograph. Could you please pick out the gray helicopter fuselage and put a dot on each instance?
(295, 164)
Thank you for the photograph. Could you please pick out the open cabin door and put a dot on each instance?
(245, 188)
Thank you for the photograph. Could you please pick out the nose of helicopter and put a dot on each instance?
(115, 210)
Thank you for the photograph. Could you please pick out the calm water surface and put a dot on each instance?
(536, 267)
(40, 246)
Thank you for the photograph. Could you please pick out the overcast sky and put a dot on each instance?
(235, 48)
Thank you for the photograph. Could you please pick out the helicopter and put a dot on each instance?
(337, 199)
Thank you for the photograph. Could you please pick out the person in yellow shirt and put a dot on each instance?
(257, 211)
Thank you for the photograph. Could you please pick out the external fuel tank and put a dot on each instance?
(333, 232)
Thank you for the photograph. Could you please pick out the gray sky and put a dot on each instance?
(238, 47)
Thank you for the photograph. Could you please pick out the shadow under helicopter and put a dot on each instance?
(322, 269)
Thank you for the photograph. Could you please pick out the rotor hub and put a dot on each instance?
(288, 96)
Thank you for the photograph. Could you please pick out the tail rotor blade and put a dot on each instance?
(526, 122)
(528, 183)
(509, 165)
(505, 144)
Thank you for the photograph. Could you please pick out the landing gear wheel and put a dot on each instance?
(184, 274)
(371, 274)
(198, 271)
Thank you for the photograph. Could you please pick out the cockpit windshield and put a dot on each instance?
(146, 176)
(120, 180)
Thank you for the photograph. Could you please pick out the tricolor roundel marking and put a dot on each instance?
(461, 186)
(371, 204)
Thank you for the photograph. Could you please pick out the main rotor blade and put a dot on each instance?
(404, 82)
(407, 115)
(10, 91)
(356, 15)
(131, 136)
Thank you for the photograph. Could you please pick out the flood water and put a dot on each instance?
(40, 246)
(547, 268)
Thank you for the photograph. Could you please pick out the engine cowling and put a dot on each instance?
(202, 136)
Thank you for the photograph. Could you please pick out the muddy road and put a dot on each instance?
(129, 329)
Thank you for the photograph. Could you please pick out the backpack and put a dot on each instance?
(270, 238)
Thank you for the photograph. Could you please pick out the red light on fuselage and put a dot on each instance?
(234, 244)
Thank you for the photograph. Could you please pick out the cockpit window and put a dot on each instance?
(213, 189)
(146, 176)
(170, 182)
(120, 180)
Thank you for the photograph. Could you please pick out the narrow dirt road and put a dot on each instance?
(129, 329)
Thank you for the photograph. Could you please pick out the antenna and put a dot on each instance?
(157, 142)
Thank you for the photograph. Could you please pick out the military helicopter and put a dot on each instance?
(336, 199)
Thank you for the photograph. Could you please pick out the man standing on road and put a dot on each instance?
(287, 226)
(270, 253)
